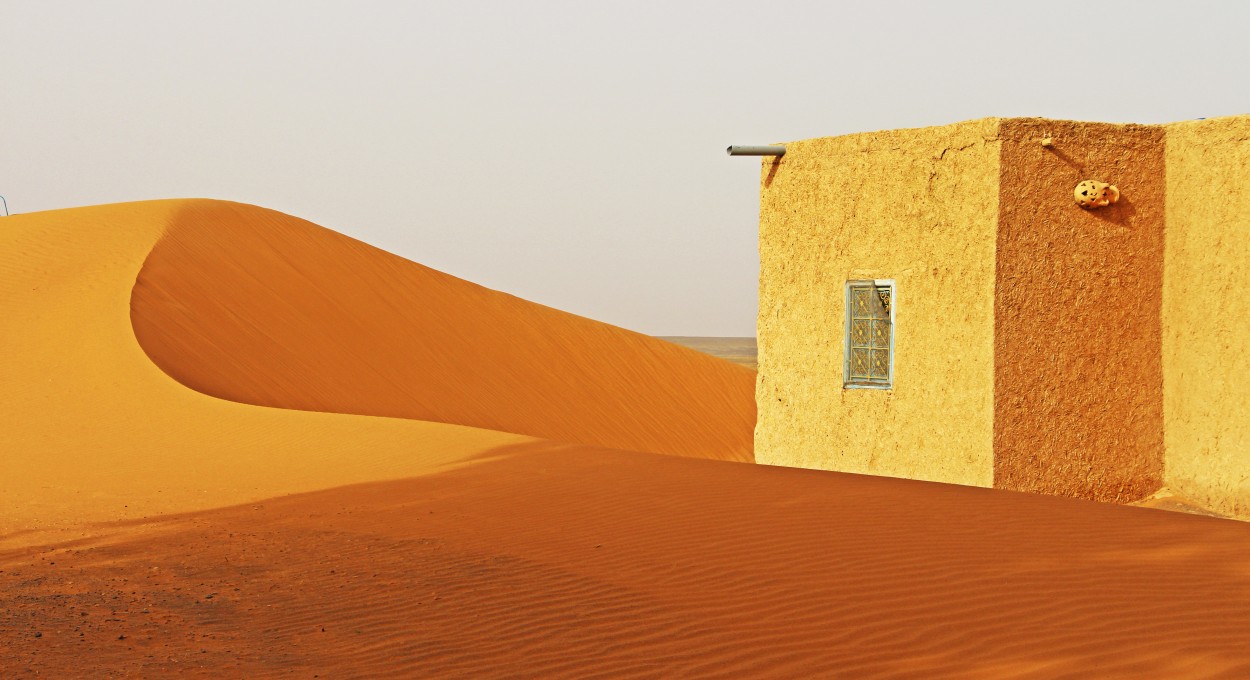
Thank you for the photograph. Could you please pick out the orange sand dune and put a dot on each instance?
(149, 529)
(93, 431)
(259, 307)
(563, 561)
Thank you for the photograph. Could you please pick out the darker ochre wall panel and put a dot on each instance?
(1078, 383)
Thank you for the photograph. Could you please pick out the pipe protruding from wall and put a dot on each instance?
(756, 150)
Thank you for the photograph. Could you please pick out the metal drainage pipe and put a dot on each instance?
(756, 150)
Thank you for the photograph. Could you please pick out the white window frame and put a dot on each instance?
(847, 383)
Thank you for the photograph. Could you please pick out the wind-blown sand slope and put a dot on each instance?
(259, 307)
(148, 529)
(92, 430)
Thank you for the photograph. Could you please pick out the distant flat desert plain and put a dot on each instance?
(739, 350)
(234, 444)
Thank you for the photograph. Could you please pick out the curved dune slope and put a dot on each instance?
(91, 430)
(259, 307)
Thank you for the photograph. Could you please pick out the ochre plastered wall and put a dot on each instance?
(917, 206)
(1206, 312)
(1078, 381)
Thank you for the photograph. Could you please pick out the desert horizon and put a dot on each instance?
(624, 340)
(740, 350)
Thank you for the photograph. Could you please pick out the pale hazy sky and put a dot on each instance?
(571, 153)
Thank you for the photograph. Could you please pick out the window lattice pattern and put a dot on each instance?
(869, 342)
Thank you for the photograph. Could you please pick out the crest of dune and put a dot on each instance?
(258, 307)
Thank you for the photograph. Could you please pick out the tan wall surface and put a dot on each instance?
(917, 206)
(1079, 384)
(1206, 302)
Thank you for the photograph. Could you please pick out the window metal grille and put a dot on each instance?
(869, 334)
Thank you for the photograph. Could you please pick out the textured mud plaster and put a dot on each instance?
(1206, 305)
(1078, 383)
(917, 206)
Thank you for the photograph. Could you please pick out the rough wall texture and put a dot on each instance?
(1206, 309)
(1078, 384)
(916, 206)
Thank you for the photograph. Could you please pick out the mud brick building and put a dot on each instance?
(935, 305)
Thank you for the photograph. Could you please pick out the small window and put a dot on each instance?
(869, 334)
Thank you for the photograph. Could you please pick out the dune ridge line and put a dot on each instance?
(258, 307)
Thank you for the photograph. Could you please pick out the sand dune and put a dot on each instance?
(229, 299)
(262, 308)
(288, 505)
(93, 431)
